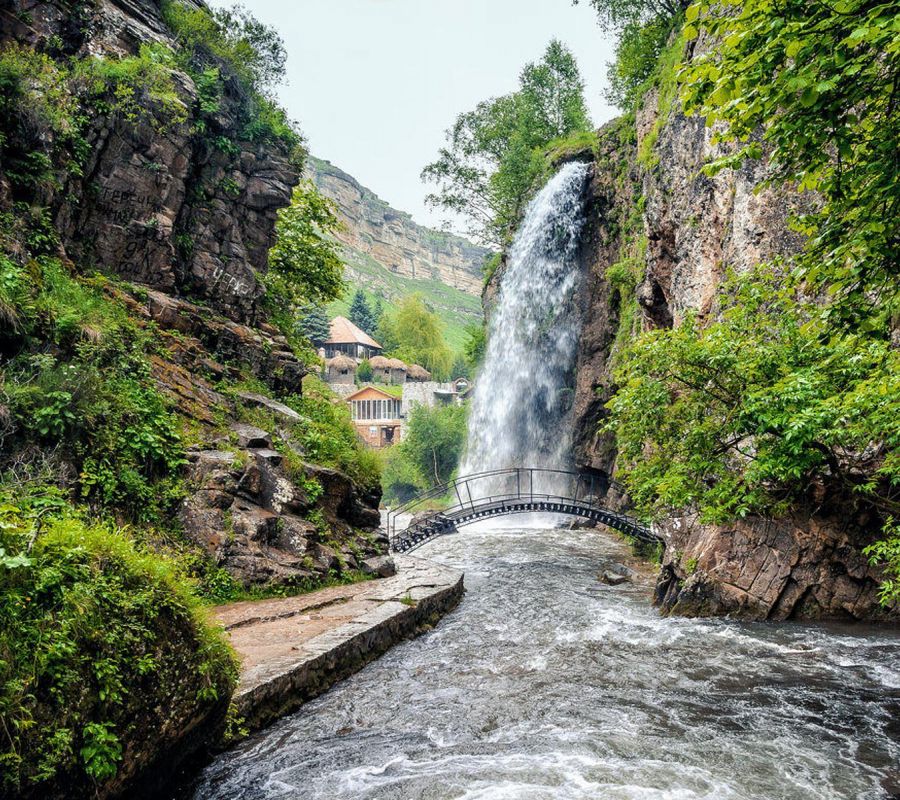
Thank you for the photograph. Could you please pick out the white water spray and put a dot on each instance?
(521, 411)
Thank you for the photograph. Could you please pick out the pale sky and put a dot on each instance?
(375, 83)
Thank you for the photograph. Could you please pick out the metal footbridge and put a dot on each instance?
(517, 490)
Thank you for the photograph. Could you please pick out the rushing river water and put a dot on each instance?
(545, 683)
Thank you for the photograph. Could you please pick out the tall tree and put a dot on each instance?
(314, 325)
(642, 29)
(304, 266)
(489, 165)
(361, 313)
(415, 335)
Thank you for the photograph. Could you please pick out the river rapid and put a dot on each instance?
(547, 683)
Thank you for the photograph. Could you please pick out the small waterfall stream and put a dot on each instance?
(523, 395)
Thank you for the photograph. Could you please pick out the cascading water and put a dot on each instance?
(522, 399)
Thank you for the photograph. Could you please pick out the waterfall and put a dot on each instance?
(521, 410)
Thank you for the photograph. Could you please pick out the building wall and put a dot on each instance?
(376, 434)
(422, 393)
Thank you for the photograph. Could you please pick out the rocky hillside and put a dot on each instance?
(391, 238)
(391, 256)
(157, 434)
(661, 237)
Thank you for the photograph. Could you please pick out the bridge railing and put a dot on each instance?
(514, 483)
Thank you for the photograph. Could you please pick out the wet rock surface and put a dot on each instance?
(796, 568)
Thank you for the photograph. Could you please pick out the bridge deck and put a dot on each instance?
(581, 500)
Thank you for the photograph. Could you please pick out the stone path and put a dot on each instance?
(293, 649)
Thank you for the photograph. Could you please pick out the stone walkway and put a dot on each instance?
(293, 649)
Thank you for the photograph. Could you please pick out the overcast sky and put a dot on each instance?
(375, 83)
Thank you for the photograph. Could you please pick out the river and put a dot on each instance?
(547, 683)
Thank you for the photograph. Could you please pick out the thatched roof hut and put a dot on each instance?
(379, 362)
(340, 362)
(414, 372)
(396, 363)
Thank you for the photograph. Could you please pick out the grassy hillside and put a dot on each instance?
(456, 308)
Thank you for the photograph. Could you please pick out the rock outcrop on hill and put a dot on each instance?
(158, 203)
(391, 238)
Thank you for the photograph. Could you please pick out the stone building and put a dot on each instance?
(340, 370)
(376, 416)
(397, 371)
(381, 369)
(346, 339)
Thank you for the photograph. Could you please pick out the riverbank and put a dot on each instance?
(293, 649)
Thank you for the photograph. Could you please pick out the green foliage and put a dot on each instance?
(313, 324)
(638, 50)
(97, 640)
(327, 436)
(401, 479)
(364, 372)
(460, 368)
(360, 313)
(234, 43)
(565, 147)
(40, 119)
(475, 346)
(136, 87)
(93, 397)
(46, 107)
(429, 453)
(494, 154)
(614, 15)
(414, 334)
(746, 414)
(491, 265)
(304, 266)
(642, 29)
(253, 52)
(887, 553)
(812, 86)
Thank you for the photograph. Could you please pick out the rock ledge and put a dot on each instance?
(294, 649)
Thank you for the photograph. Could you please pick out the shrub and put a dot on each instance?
(327, 436)
(233, 42)
(40, 119)
(94, 399)
(364, 372)
(137, 87)
(638, 51)
(101, 646)
(429, 453)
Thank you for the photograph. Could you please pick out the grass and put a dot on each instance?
(455, 308)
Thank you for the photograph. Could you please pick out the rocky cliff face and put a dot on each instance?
(174, 205)
(654, 216)
(180, 208)
(391, 238)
